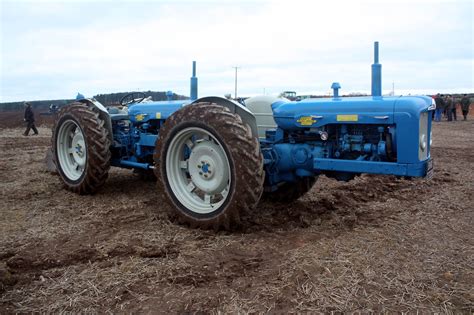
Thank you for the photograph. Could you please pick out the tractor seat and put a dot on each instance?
(118, 113)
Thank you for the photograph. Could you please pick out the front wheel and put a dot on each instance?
(81, 148)
(209, 166)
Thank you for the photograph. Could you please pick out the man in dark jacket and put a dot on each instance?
(453, 109)
(449, 107)
(439, 107)
(465, 103)
(30, 120)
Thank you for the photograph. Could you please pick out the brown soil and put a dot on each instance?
(377, 243)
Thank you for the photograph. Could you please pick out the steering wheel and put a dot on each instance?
(134, 97)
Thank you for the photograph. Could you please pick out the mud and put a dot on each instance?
(381, 244)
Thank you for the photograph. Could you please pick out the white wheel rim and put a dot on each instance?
(71, 150)
(198, 170)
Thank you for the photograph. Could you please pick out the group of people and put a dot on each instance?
(446, 106)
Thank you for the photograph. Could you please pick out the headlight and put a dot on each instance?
(423, 133)
(423, 142)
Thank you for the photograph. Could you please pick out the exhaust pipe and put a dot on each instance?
(194, 84)
(376, 73)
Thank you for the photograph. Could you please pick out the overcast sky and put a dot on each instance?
(54, 49)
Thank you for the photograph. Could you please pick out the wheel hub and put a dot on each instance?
(206, 170)
(78, 147)
(207, 167)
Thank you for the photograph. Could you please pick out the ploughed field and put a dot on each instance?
(375, 244)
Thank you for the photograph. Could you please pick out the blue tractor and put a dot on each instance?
(214, 157)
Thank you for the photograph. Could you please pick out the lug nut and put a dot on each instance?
(200, 173)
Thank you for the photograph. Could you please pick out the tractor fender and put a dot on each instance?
(103, 114)
(236, 108)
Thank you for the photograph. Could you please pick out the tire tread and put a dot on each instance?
(98, 147)
(245, 153)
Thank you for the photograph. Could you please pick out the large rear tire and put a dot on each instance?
(209, 166)
(81, 148)
(289, 192)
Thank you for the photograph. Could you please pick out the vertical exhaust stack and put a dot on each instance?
(376, 73)
(335, 87)
(194, 84)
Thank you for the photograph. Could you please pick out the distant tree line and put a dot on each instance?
(37, 105)
(114, 98)
(110, 99)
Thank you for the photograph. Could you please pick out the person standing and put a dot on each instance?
(30, 120)
(445, 101)
(453, 110)
(449, 107)
(439, 107)
(465, 103)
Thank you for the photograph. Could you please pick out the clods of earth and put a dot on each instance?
(377, 243)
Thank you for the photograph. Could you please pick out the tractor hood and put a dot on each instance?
(358, 110)
(143, 112)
